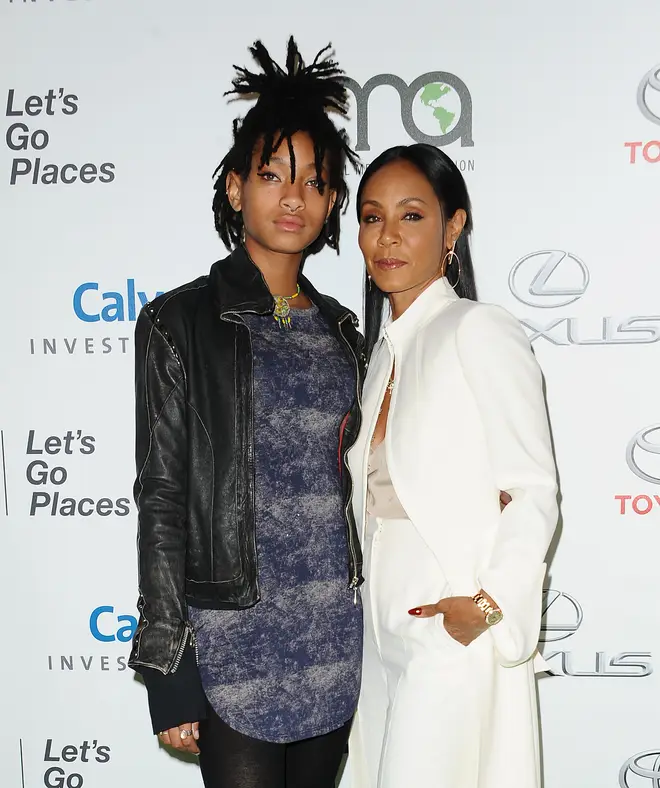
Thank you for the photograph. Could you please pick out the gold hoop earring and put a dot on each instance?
(451, 254)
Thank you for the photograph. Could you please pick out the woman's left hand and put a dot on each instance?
(462, 619)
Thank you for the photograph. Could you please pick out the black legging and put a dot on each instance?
(229, 759)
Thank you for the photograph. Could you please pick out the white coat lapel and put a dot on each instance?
(358, 457)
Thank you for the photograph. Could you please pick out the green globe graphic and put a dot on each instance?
(432, 96)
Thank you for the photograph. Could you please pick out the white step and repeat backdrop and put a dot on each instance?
(114, 120)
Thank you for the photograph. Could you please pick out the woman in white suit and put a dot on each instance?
(453, 413)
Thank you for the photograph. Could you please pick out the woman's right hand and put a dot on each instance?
(184, 738)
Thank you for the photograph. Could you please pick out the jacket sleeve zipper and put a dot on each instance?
(188, 637)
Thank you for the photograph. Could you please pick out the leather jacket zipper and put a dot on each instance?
(355, 580)
(239, 320)
(188, 636)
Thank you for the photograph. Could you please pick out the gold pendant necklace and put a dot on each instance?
(390, 384)
(282, 313)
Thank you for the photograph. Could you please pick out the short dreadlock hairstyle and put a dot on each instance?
(289, 100)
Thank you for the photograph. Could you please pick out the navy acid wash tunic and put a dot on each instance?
(289, 668)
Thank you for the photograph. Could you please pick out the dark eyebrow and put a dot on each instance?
(280, 160)
(405, 201)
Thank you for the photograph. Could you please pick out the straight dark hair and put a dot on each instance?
(451, 191)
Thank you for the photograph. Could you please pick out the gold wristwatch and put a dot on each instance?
(493, 614)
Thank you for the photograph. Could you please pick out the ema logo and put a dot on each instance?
(110, 306)
(555, 278)
(436, 108)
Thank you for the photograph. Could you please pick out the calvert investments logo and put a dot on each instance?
(648, 102)
(90, 306)
(436, 108)
(91, 303)
(105, 626)
(641, 770)
(555, 278)
(562, 616)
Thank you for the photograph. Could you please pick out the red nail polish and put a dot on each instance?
(415, 611)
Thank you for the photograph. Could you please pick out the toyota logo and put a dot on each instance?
(548, 279)
(641, 771)
(561, 616)
(642, 455)
(650, 81)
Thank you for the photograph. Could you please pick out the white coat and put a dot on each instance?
(467, 419)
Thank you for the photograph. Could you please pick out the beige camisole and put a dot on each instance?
(382, 500)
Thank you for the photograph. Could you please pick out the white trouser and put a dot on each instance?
(418, 705)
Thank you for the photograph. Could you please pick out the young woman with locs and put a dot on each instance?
(454, 418)
(249, 638)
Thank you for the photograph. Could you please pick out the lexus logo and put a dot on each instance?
(561, 616)
(650, 81)
(641, 771)
(548, 279)
(643, 455)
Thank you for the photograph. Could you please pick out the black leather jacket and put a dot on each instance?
(195, 452)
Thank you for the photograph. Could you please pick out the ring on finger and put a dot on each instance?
(186, 733)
